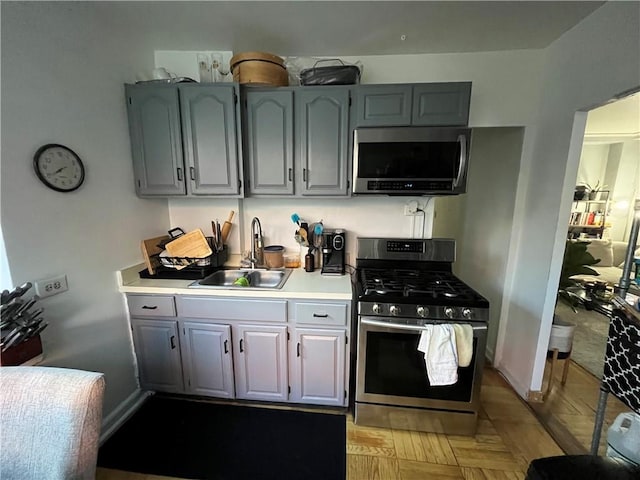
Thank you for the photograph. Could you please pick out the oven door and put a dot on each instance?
(391, 370)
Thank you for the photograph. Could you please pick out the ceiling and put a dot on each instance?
(324, 28)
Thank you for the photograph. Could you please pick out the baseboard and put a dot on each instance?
(535, 396)
(115, 419)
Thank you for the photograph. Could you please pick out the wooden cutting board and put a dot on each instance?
(192, 244)
(150, 251)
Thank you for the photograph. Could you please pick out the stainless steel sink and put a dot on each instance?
(258, 279)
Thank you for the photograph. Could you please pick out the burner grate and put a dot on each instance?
(414, 283)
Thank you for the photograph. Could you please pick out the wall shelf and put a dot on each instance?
(589, 217)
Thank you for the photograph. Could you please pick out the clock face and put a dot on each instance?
(58, 167)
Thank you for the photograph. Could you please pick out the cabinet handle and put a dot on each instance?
(291, 174)
(146, 307)
(241, 349)
(226, 349)
(304, 174)
(179, 174)
(318, 315)
(298, 349)
(192, 171)
(173, 342)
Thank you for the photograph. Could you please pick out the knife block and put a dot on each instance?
(22, 352)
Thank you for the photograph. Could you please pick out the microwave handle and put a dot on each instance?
(462, 140)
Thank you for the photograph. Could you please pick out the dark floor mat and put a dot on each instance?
(201, 440)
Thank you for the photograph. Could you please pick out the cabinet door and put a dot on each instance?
(383, 105)
(441, 104)
(210, 142)
(260, 358)
(156, 141)
(208, 367)
(318, 366)
(322, 119)
(269, 141)
(158, 352)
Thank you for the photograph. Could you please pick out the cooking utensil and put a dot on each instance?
(226, 227)
(219, 237)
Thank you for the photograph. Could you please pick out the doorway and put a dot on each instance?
(609, 169)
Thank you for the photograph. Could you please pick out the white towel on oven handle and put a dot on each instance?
(438, 344)
(464, 343)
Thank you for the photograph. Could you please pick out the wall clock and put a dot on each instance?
(58, 167)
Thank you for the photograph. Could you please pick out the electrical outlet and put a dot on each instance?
(411, 208)
(51, 286)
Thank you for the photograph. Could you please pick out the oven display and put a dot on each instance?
(405, 246)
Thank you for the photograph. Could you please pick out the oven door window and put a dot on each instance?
(394, 366)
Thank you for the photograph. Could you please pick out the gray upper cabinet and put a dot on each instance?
(424, 104)
(297, 141)
(441, 104)
(322, 140)
(184, 139)
(388, 105)
(269, 141)
(210, 143)
(156, 139)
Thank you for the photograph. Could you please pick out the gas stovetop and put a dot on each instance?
(412, 278)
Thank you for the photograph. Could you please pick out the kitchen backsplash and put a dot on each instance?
(371, 216)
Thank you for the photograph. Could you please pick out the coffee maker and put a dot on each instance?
(333, 252)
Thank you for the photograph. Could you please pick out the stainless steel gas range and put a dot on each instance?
(403, 285)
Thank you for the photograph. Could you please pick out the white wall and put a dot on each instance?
(63, 70)
(574, 80)
(505, 92)
(484, 217)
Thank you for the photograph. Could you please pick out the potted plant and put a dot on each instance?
(576, 261)
(20, 326)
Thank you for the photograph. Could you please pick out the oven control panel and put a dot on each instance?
(405, 246)
(429, 312)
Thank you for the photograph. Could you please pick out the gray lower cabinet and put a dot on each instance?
(260, 358)
(157, 346)
(207, 359)
(317, 366)
(424, 104)
(245, 348)
(297, 141)
(184, 139)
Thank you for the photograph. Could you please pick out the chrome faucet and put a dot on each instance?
(257, 250)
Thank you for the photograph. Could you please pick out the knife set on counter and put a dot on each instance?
(186, 256)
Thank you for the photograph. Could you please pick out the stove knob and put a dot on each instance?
(376, 308)
(393, 310)
(422, 311)
(448, 312)
(467, 313)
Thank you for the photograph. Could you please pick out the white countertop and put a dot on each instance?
(300, 284)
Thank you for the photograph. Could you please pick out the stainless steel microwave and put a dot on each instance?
(411, 160)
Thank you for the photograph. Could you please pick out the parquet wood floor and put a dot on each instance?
(568, 412)
(509, 436)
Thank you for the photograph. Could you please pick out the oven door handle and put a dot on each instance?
(401, 326)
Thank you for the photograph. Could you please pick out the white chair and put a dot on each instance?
(50, 422)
